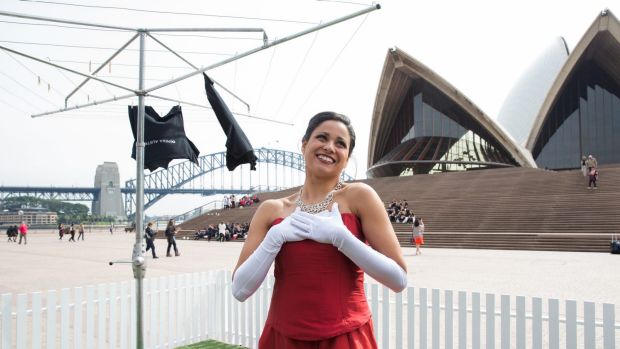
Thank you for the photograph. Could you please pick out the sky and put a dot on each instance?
(480, 47)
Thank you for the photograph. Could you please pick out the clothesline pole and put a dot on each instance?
(138, 260)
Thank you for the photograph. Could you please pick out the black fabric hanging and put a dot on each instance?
(238, 148)
(164, 137)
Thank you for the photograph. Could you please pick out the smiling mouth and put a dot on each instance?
(325, 158)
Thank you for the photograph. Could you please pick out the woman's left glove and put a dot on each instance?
(327, 227)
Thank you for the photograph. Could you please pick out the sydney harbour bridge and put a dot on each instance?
(275, 170)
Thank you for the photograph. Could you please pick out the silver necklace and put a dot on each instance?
(318, 207)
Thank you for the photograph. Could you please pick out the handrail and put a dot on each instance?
(183, 217)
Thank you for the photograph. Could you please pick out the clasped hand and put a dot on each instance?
(326, 227)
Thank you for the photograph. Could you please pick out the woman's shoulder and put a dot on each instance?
(271, 209)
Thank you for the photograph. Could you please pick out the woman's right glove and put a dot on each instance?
(328, 228)
(252, 272)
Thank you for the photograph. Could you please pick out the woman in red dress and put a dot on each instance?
(323, 239)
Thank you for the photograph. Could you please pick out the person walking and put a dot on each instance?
(23, 230)
(591, 163)
(72, 233)
(149, 236)
(592, 178)
(61, 231)
(322, 239)
(81, 231)
(171, 231)
(418, 235)
(584, 168)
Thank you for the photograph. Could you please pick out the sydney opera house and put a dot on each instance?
(566, 105)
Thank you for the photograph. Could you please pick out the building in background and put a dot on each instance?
(564, 106)
(109, 202)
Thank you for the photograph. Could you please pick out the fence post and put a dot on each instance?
(172, 292)
(490, 320)
(90, 317)
(462, 320)
(475, 320)
(410, 317)
(554, 324)
(7, 320)
(571, 324)
(51, 319)
(385, 316)
(589, 335)
(77, 317)
(64, 318)
(448, 318)
(423, 329)
(163, 296)
(399, 319)
(21, 320)
(609, 322)
(520, 322)
(435, 318)
(536, 323)
(113, 315)
(36, 320)
(505, 321)
(374, 307)
(101, 312)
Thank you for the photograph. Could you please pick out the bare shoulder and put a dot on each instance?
(270, 210)
(357, 197)
(360, 191)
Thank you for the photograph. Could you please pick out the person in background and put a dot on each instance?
(171, 231)
(592, 178)
(81, 231)
(584, 168)
(61, 231)
(72, 233)
(149, 236)
(418, 234)
(323, 239)
(23, 230)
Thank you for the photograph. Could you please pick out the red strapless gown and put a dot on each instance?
(318, 299)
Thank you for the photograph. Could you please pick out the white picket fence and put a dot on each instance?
(189, 308)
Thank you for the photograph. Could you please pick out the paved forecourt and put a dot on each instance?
(48, 263)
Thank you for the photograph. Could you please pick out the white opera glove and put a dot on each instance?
(249, 276)
(329, 228)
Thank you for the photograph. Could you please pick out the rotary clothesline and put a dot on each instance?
(227, 122)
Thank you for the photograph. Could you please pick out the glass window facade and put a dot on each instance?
(583, 121)
(433, 134)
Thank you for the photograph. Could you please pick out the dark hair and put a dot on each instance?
(326, 116)
(171, 223)
(416, 222)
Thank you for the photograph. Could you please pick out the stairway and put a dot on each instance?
(511, 208)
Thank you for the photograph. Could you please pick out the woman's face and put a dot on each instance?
(327, 150)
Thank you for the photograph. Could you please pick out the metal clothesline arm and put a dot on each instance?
(215, 30)
(66, 69)
(101, 67)
(209, 107)
(65, 21)
(195, 67)
(113, 99)
(266, 46)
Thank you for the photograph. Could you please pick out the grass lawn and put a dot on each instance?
(211, 344)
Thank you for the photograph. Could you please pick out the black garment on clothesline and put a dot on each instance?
(238, 148)
(164, 137)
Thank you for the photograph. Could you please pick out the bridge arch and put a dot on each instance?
(163, 182)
